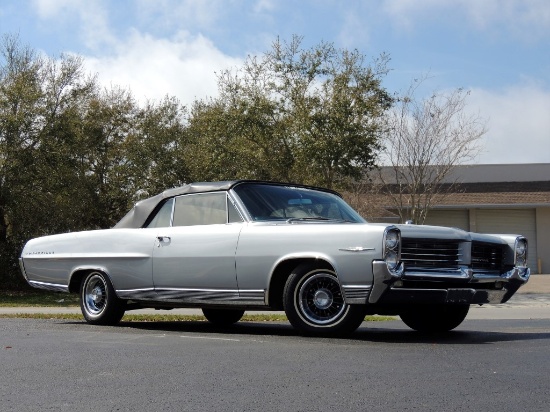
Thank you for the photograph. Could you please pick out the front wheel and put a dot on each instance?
(314, 303)
(98, 301)
(223, 317)
(434, 318)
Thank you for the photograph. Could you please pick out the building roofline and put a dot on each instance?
(492, 173)
(480, 206)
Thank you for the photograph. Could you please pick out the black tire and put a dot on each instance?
(434, 318)
(223, 317)
(314, 303)
(98, 301)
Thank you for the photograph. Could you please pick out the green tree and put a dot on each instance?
(74, 156)
(307, 115)
(157, 153)
(237, 141)
(37, 98)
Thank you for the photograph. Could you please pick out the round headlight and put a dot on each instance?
(521, 252)
(521, 248)
(391, 239)
(392, 260)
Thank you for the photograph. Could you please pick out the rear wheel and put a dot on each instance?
(314, 303)
(98, 301)
(434, 318)
(223, 316)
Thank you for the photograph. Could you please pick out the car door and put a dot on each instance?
(196, 254)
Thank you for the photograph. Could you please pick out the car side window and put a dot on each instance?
(163, 216)
(200, 209)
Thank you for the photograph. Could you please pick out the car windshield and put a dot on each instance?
(273, 202)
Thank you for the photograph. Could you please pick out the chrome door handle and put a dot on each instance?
(163, 239)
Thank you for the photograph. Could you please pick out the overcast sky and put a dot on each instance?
(497, 49)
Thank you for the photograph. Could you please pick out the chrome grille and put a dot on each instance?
(487, 256)
(430, 254)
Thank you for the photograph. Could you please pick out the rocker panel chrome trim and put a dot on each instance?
(138, 294)
(49, 286)
(195, 296)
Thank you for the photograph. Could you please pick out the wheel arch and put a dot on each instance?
(282, 271)
(78, 274)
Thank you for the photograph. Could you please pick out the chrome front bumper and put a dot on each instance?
(466, 287)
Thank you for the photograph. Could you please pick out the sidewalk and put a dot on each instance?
(532, 301)
(537, 284)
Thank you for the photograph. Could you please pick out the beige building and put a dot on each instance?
(513, 198)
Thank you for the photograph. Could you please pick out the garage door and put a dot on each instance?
(449, 218)
(511, 221)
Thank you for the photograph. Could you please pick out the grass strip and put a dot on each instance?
(166, 318)
(37, 298)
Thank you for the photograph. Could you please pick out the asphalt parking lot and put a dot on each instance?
(489, 365)
(497, 360)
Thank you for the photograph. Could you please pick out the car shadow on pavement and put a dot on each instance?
(241, 328)
(463, 337)
(380, 332)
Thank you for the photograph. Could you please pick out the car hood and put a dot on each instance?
(448, 233)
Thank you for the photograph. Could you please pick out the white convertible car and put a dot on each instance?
(227, 247)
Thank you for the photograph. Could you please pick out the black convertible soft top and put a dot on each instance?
(138, 215)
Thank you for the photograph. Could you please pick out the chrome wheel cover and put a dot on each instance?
(95, 295)
(320, 299)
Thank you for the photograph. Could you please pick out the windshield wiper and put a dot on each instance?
(310, 218)
(318, 218)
